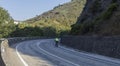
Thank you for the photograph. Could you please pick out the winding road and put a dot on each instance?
(42, 52)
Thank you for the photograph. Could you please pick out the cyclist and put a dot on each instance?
(56, 42)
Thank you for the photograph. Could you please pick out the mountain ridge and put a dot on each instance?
(66, 11)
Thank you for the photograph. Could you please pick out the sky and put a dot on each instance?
(25, 9)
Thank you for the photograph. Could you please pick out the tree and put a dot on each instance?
(6, 23)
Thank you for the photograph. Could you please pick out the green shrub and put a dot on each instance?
(75, 29)
(82, 28)
(107, 14)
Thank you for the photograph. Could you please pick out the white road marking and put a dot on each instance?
(23, 61)
(56, 55)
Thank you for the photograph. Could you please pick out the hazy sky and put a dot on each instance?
(25, 9)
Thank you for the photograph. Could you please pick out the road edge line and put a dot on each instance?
(23, 61)
(55, 55)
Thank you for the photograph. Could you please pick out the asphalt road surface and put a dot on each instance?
(43, 53)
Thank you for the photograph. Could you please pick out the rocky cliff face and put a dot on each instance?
(99, 17)
(92, 9)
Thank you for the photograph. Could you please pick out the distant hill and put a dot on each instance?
(60, 17)
(99, 17)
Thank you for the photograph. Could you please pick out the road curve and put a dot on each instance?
(44, 53)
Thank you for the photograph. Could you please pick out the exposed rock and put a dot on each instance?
(99, 17)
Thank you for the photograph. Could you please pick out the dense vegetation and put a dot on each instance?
(6, 23)
(25, 30)
(106, 23)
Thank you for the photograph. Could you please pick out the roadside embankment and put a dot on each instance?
(108, 46)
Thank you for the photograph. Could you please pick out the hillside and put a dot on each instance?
(60, 18)
(65, 14)
(99, 17)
